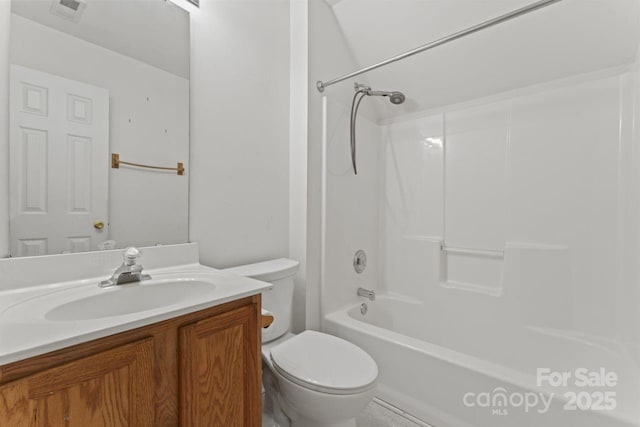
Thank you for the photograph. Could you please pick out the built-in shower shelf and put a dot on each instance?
(477, 270)
(488, 253)
(482, 271)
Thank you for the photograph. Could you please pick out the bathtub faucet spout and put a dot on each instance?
(362, 292)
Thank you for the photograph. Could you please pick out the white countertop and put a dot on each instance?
(27, 331)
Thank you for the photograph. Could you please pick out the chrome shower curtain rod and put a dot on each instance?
(490, 23)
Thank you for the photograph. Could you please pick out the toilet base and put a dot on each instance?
(309, 408)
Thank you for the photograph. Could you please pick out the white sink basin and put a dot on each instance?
(127, 299)
(42, 318)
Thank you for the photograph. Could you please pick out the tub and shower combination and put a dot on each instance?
(502, 238)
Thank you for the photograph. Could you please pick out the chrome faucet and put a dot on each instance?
(129, 271)
(362, 292)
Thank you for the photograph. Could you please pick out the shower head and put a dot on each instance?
(395, 98)
(362, 91)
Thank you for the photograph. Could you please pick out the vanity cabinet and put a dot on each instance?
(200, 369)
(217, 356)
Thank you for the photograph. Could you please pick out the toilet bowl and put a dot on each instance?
(311, 379)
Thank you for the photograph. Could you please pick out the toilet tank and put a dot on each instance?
(279, 299)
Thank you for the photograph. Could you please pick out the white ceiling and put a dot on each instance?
(568, 38)
(152, 31)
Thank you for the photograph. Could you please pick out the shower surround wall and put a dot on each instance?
(508, 224)
(533, 194)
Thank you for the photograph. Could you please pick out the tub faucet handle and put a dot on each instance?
(130, 256)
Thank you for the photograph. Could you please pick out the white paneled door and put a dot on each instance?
(59, 157)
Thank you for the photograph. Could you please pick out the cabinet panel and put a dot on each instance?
(16, 409)
(113, 388)
(220, 370)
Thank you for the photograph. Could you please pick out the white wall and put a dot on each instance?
(299, 43)
(239, 194)
(5, 19)
(149, 123)
(329, 56)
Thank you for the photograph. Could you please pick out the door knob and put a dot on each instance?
(98, 225)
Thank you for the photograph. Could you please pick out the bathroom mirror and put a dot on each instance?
(99, 125)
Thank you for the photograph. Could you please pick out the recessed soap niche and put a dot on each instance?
(474, 270)
(530, 268)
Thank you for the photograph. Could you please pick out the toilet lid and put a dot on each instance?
(325, 363)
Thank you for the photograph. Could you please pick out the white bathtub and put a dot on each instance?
(431, 370)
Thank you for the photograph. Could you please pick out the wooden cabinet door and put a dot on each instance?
(113, 388)
(220, 371)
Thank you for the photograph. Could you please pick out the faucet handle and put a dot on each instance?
(131, 256)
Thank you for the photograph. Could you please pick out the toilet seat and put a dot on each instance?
(324, 363)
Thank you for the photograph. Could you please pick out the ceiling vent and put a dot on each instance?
(71, 10)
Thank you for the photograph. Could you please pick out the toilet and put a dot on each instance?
(311, 379)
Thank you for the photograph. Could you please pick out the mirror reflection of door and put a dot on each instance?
(59, 150)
